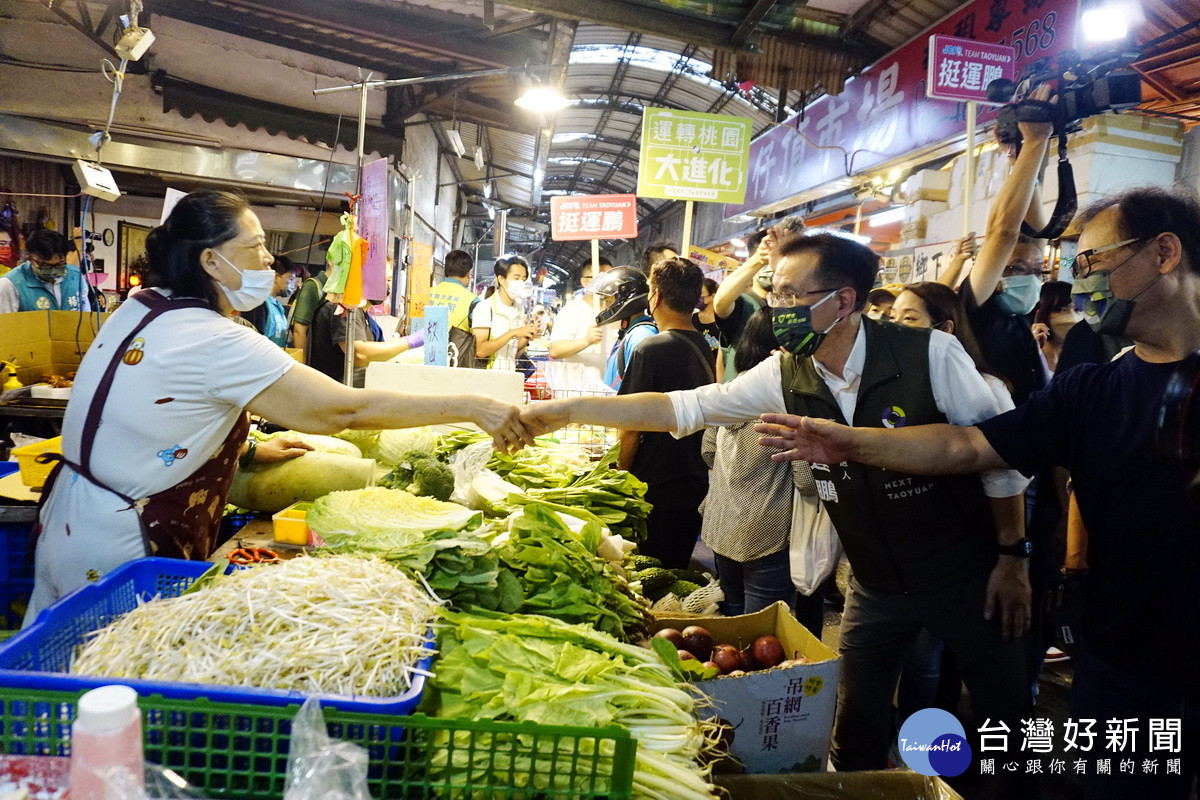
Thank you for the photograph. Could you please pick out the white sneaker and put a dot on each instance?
(1054, 655)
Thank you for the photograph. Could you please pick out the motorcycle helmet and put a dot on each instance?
(628, 288)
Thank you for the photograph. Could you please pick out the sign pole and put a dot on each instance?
(595, 257)
(970, 168)
(685, 244)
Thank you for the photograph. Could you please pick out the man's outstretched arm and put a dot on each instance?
(921, 450)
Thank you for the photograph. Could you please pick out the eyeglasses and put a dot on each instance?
(790, 299)
(48, 265)
(1082, 266)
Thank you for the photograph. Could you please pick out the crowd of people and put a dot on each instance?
(938, 432)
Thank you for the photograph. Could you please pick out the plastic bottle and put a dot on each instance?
(106, 734)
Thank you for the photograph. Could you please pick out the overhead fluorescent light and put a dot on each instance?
(887, 217)
(457, 143)
(479, 162)
(738, 242)
(487, 190)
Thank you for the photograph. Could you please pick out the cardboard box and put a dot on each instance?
(782, 717)
(892, 785)
(928, 184)
(45, 342)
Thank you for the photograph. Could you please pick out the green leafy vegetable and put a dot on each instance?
(535, 669)
(562, 576)
(418, 535)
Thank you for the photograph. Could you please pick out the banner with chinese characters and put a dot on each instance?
(961, 69)
(598, 216)
(688, 155)
(884, 113)
(420, 279)
(373, 226)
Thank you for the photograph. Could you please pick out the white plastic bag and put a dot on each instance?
(815, 548)
(320, 768)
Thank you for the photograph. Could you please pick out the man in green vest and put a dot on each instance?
(926, 552)
(46, 281)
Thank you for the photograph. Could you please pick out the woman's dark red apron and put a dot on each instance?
(182, 521)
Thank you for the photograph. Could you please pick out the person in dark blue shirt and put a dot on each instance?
(1137, 274)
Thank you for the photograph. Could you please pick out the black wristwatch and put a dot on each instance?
(1022, 548)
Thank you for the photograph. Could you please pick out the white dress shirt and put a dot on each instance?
(960, 392)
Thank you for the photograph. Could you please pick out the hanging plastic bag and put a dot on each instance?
(815, 548)
(321, 768)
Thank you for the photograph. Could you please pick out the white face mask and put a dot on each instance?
(257, 285)
(519, 289)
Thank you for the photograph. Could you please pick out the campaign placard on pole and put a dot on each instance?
(688, 155)
(437, 336)
(373, 226)
(598, 216)
(961, 69)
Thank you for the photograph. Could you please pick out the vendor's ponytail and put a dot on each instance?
(200, 220)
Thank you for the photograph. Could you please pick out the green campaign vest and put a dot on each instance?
(902, 533)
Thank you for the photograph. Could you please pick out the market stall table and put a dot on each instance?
(259, 533)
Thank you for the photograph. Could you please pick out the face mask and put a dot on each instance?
(48, 275)
(1020, 295)
(702, 304)
(257, 285)
(6, 253)
(793, 328)
(1106, 313)
(291, 287)
(764, 277)
(519, 289)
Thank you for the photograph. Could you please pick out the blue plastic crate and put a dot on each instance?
(16, 571)
(8, 468)
(40, 656)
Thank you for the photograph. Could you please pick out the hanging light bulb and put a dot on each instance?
(543, 99)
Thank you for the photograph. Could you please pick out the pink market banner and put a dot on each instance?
(373, 226)
(961, 69)
(884, 113)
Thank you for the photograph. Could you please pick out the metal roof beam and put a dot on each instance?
(426, 31)
(749, 22)
(83, 25)
(666, 22)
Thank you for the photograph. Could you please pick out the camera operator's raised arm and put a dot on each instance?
(1010, 207)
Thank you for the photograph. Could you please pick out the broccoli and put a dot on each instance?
(432, 478)
(421, 474)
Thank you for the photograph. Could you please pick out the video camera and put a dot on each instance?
(1085, 87)
(1179, 422)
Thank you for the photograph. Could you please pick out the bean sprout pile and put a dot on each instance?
(337, 625)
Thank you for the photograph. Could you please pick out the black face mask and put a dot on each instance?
(794, 331)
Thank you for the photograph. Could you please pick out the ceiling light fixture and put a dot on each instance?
(479, 161)
(542, 99)
(456, 142)
(887, 217)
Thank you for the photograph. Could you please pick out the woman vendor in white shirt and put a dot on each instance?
(152, 435)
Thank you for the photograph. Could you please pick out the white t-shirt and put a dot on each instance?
(169, 411)
(959, 390)
(500, 319)
(574, 321)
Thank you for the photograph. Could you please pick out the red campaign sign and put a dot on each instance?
(961, 69)
(883, 113)
(597, 216)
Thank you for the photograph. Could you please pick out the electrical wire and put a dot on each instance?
(17, 62)
(312, 237)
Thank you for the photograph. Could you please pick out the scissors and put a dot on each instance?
(244, 556)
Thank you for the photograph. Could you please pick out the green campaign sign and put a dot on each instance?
(688, 155)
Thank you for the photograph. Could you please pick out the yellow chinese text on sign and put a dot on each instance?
(693, 156)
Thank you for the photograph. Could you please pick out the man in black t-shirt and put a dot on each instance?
(327, 342)
(678, 357)
(1138, 274)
